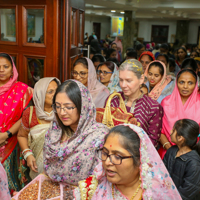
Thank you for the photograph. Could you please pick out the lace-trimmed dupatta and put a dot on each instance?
(156, 181)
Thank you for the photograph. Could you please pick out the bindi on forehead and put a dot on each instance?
(110, 145)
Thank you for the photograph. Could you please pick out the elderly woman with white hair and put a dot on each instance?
(146, 110)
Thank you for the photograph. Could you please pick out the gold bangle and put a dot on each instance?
(165, 144)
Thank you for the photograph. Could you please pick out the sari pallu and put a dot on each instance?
(36, 143)
(12, 104)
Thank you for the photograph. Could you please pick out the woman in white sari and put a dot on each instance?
(35, 122)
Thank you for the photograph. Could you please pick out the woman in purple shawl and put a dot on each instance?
(147, 111)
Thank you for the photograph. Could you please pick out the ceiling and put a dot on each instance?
(146, 9)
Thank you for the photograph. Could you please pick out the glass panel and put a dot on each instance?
(80, 29)
(35, 25)
(8, 26)
(35, 70)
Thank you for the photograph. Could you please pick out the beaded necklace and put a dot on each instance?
(133, 194)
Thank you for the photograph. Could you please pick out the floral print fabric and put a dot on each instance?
(75, 159)
(4, 192)
(114, 81)
(156, 181)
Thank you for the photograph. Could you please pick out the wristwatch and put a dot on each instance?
(9, 134)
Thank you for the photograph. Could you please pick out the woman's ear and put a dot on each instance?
(180, 139)
(142, 79)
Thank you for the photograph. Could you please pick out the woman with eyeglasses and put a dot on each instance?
(85, 72)
(109, 76)
(71, 141)
(130, 169)
(35, 123)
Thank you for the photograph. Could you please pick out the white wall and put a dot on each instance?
(193, 32)
(105, 24)
(145, 27)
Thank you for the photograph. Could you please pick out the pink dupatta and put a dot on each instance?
(175, 110)
(159, 87)
(98, 91)
(156, 181)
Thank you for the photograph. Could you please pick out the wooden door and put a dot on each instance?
(97, 30)
(29, 33)
(159, 34)
(72, 34)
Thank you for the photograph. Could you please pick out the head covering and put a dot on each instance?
(156, 181)
(147, 53)
(74, 160)
(175, 110)
(39, 94)
(159, 87)
(12, 81)
(148, 46)
(118, 42)
(98, 91)
(114, 81)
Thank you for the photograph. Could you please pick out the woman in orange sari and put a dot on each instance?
(14, 98)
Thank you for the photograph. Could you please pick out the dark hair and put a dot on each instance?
(130, 141)
(172, 62)
(109, 52)
(183, 50)
(83, 61)
(150, 58)
(195, 52)
(71, 89)
(159, 65)
(144, 86)
(6, 56)
(189, 63)
(187, 70)
(113, 60)
(112, 44)
(193, 46)
(130, 49)
(164, 46)
(139, 46)
(109, 64)
(189, 129)
(95, 44)
(165, 55)
(98, 58)
(90, 39)
(132, 54)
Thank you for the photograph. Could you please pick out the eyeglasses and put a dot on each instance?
(81, 74)
(103, 72)
(57, 109)
(114, 159)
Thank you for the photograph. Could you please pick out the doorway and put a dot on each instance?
(159, 34)
(198, 38)
(97, 29)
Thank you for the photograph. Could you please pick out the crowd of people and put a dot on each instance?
(52, 128)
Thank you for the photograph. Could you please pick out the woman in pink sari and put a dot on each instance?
(85, 72)
(130, 169)
(182, 103)
(14, 97)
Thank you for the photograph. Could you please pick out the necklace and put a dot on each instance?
(139, 186)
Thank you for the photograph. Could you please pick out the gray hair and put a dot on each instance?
(132, 65)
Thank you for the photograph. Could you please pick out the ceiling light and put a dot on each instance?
(113, 11)
(122, 12)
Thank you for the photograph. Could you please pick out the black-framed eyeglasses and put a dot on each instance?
(57, 109)
(81, 74)
(103, 72)
(114, 159)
